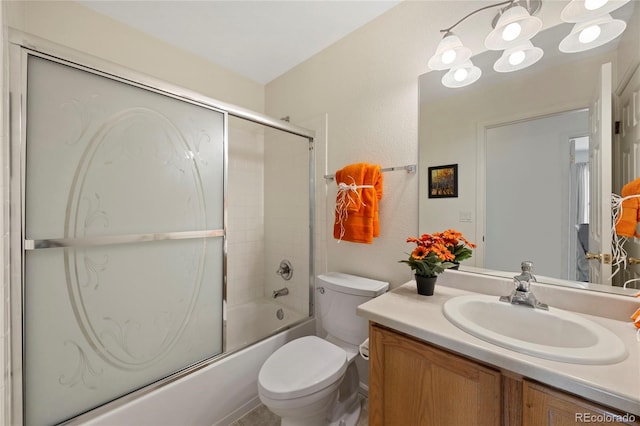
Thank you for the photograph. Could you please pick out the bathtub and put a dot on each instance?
(253, 321)
(219, 393)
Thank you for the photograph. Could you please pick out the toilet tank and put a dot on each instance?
(338, 296)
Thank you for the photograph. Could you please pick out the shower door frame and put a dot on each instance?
(21, 45)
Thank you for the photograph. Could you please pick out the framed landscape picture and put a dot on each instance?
(443, 181)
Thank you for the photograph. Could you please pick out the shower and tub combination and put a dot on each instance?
(146, 224)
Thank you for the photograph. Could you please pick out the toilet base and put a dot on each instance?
(314, 412)
(346, 410)
(350, 417)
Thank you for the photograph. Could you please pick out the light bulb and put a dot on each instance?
(449, 56)
(516, 58)
(594, 4)
(460, 74)
(511, 31)
(589, 34)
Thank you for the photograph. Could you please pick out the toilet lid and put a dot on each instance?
(301, 367)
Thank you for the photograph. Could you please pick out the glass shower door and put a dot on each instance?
(124, 231)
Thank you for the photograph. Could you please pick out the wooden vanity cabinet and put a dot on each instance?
(412, 383)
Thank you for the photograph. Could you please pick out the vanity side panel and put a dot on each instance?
(414, 383)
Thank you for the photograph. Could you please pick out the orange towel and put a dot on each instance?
(359, 193)
(629, 214)
(636, 318)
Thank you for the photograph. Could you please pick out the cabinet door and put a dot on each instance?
(412, 383)
(547, 406)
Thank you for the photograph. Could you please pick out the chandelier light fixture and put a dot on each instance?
(593, 25)
(514, 26)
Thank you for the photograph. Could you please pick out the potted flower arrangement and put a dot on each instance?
(429, 258)
(457, 245)
(433, 254)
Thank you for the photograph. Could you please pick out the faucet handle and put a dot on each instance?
(526, 266)
(285, 270)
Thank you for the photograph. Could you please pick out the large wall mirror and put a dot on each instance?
(520, 141)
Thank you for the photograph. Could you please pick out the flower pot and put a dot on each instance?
(456, 266)
(426, 285)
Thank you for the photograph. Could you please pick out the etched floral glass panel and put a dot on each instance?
(106, 158)
(103, 321)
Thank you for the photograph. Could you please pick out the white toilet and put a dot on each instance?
(312, 381)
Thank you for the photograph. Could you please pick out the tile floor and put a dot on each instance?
(261, 416)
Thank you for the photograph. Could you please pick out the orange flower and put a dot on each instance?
(432, 250)
(442, 252)
(419, 253)
(453, 238)
(425, 238)
(431, 255)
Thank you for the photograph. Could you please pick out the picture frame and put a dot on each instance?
(443, 181)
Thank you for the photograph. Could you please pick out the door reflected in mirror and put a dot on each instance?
(534, 197)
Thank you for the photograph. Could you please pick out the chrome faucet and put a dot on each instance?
(282, 292)
(522, 294)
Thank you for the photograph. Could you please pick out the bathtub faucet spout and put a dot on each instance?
(282, 292)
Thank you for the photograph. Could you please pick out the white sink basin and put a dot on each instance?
(554, 334)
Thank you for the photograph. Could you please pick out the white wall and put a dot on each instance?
(367, 85)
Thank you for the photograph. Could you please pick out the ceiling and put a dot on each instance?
(259, 39)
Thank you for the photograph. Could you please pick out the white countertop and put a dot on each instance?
(615, 385)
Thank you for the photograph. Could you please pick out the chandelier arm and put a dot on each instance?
(446, 30)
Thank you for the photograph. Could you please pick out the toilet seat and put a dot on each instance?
(301, 367)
